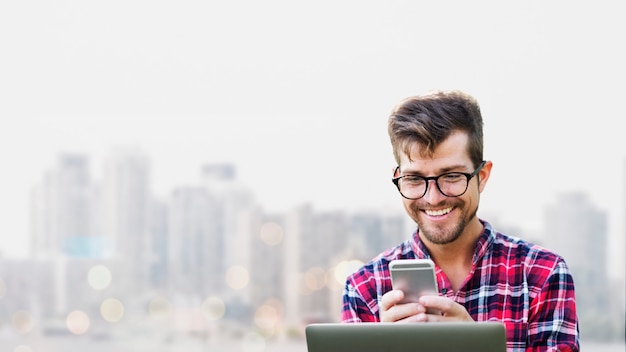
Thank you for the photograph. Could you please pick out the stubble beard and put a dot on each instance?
(441, 235)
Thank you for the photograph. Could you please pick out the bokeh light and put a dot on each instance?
(315, 278)
(99, 277)
(237, 277)
(345, 268)
(276, 303)
(159, 308)
(267, 318)
(77, 322)
(271, 233)
(22, 321)
(213, 308)
(112, 310)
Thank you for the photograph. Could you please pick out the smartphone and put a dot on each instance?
(415, 277)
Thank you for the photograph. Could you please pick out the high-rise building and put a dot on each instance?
(292, 229)
(238, 210)
(125, 192)
(194, 243)
(267, 282)
(577, 230)
(159, 241)
(124, 208)
(61, 211)
(323, 236)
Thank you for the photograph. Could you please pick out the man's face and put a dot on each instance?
(442, 219)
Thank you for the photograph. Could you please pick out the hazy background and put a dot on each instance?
(296, 94)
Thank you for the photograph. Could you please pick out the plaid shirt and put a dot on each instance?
(527, 287)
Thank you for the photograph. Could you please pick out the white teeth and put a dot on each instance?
(439, 212)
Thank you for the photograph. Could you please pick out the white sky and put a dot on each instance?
(297, 93)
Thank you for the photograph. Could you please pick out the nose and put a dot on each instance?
(433, 194)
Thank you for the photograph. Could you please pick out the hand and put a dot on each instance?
(391, 310)
(450, 310)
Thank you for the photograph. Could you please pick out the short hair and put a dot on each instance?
(427, 120)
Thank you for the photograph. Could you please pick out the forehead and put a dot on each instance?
(453, 151)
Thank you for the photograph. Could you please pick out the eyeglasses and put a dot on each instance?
(451, 184)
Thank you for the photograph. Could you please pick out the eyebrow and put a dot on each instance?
(441, 171)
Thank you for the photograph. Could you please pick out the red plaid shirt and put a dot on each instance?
(525, 286)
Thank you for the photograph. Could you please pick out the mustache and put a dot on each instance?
(423, 206)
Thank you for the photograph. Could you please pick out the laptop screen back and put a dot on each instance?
(400, 337)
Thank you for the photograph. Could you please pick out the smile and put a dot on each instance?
(439, 212)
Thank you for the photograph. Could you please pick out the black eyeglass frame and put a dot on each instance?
(469, 176)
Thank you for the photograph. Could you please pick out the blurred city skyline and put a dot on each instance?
(297, 95)
(208, 263)
(19, 247)
(494, 214)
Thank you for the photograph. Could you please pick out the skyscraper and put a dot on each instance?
(577, 230)
(194, 243)
(237, 211)
(124, 208)
(61, 210)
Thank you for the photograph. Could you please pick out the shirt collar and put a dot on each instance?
(483, 244)
(485, 241)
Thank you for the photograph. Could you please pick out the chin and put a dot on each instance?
(437, 235)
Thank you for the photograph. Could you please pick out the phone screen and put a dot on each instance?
(415, 277)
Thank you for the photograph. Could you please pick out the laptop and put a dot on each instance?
(402, 337)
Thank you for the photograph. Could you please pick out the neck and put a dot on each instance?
(457, 254)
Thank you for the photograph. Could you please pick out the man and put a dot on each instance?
(482, 275)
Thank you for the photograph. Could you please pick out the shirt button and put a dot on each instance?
(444, 290)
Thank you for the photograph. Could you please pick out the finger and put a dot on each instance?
(387, 305)
(431, 318)
(449, 309)
(415, 318)
(390, 299)
(408, 312)
(441, 304)
(392, 310)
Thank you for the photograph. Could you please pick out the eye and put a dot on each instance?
(412, 179)
(453, 177)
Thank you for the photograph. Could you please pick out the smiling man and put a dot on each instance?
(482, 274)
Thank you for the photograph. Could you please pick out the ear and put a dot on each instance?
(395, 172)
(483, 175)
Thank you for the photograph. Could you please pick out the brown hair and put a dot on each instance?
(427, 120)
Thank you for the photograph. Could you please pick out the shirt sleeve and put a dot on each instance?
(351, 304)
(355, 308)
(553, 323)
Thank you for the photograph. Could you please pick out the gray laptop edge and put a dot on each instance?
(402, 337)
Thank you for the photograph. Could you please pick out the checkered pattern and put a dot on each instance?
(525, 286)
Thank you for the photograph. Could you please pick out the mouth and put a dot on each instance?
(438, 212)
